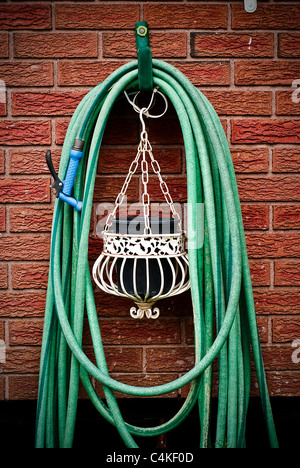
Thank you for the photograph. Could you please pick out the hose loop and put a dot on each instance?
(219, 273)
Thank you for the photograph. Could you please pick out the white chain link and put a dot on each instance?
(144, 148)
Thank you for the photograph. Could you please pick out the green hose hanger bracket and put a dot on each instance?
(144, 54)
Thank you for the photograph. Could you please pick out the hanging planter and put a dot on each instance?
(143, 257)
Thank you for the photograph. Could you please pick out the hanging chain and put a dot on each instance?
(144, 148)
(120, 198)
(163, 186)
(145, 180)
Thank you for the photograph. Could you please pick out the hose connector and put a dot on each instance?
(64, 189)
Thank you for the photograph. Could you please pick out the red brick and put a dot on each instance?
(2, 161)
(3, 108)
(255, 217)
(263, 329)
(24, 219)
(286, 159)
(240, 102)
(232, 45)
(205, 73)
(163, 45)
(3, 276)
(98, 17)
(72, 73)
(25, 132)
(4, 51)
(27, 73)
(266, 72)
(124, 359)
(29, 275)
(289, 45)
(120, 131)
(107, 189)
(266, 17)
(285, 329)
(283, 383)
(23, 387)
(165, 132)
(189, 331)
(56, 45)
(287, 217)
(95, 247)
(172, 15)
(25, 17)
(2, 330)
(276, 302)
(129, 361)
(250, 160)
(2, 219)
(61, 127)
(32, 161)
(123, 331)
(273, 245)
(177, 187)
(25, 190)
(166, 359)
(25, 332)
(24, 304)
(285, 104)
(52, 103)
(265, 131)
(25, 247)
(278, 358)
(111, 306)
(269, 188)
(260, 272)
(116, 132)
(287, 273)
(169, 159)
(23, 360)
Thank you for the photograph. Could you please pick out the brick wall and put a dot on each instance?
(52, 53)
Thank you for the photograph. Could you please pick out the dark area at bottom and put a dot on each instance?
(17, 424)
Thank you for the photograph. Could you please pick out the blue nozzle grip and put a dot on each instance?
(75, 157)
(71, 201)
(65, 194)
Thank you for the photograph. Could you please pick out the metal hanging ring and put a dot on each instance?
(145, 110)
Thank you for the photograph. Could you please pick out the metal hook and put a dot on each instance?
(146, 109)
(142, 111)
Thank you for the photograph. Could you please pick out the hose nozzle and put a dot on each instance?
(64, 188)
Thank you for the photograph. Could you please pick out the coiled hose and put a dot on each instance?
(219, 272)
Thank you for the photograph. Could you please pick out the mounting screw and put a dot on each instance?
(142, 31)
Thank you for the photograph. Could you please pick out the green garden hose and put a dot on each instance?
(221, 287)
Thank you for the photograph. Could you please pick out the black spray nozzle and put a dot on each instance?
(57, 185)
